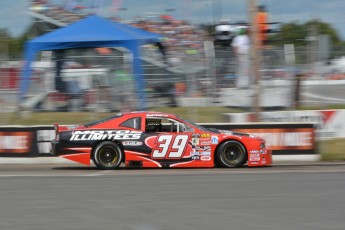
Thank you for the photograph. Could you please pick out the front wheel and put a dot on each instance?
(107, 155)
(231, 154)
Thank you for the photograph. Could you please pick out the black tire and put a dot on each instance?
(231, 154)
(107, 155)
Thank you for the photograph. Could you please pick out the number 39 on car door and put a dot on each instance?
(170, 146)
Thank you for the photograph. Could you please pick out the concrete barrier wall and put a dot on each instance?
(328, 123)
(25, 141)
(282, 138)
(285, 139)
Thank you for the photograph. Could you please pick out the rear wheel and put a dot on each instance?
(231, 154)
(107, 155)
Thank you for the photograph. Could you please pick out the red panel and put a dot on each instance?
(83, 158)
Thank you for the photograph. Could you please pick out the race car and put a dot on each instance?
(157, 140)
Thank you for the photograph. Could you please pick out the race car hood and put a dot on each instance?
(228, 132)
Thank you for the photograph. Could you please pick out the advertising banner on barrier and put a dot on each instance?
(25, 141)
(294, 138)
(15, 142)
(328, 123)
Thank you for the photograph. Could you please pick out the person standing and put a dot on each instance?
(241, 47)
(262, 25)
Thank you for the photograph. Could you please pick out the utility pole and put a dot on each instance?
(255, 56)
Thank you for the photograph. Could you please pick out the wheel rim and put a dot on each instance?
(232, 154)
(108, 156)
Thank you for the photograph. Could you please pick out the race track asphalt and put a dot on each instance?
(286, 196)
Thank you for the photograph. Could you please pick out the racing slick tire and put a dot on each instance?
(107, 155)
(231, 154)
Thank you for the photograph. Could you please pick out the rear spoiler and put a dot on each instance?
(56, 128)
(59, 128)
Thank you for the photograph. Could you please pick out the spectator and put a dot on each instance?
(224, 33)
(241, 46)
(261, 23)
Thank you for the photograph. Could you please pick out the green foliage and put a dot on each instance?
(12, 47)
(325, 28)
(297, 33)
(290, 33)
(332, 150)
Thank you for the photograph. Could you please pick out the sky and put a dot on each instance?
(14, 16)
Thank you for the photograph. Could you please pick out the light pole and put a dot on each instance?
(255, 55)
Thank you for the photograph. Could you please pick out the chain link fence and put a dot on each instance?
(91, 81)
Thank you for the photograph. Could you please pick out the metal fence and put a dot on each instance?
(95, 82)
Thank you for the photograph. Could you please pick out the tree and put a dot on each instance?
(325, 28)
(290, 33)
(296, 33)
(12, 47)
(4, 40)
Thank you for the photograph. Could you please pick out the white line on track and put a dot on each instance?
(51, 175)
(290, 171)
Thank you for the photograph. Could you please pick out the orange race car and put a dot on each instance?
(157, 140)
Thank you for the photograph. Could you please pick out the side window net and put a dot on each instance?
(153, 125)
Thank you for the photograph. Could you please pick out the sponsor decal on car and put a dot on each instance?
(206, 153)
(105, 135)
(263, 160)
(170, 146)
(204, 135)
(195, 153)
(254, 157)
(205, 139)
(254, 151)
(205, 158)
(214, 140)
(132, 143)
(201, 153)
(205, 142)
(203, 148)
(195, 141)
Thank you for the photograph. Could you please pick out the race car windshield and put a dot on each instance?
(196, 125)
(103, 120)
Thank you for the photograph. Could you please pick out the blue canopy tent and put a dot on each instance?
(92, 32)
